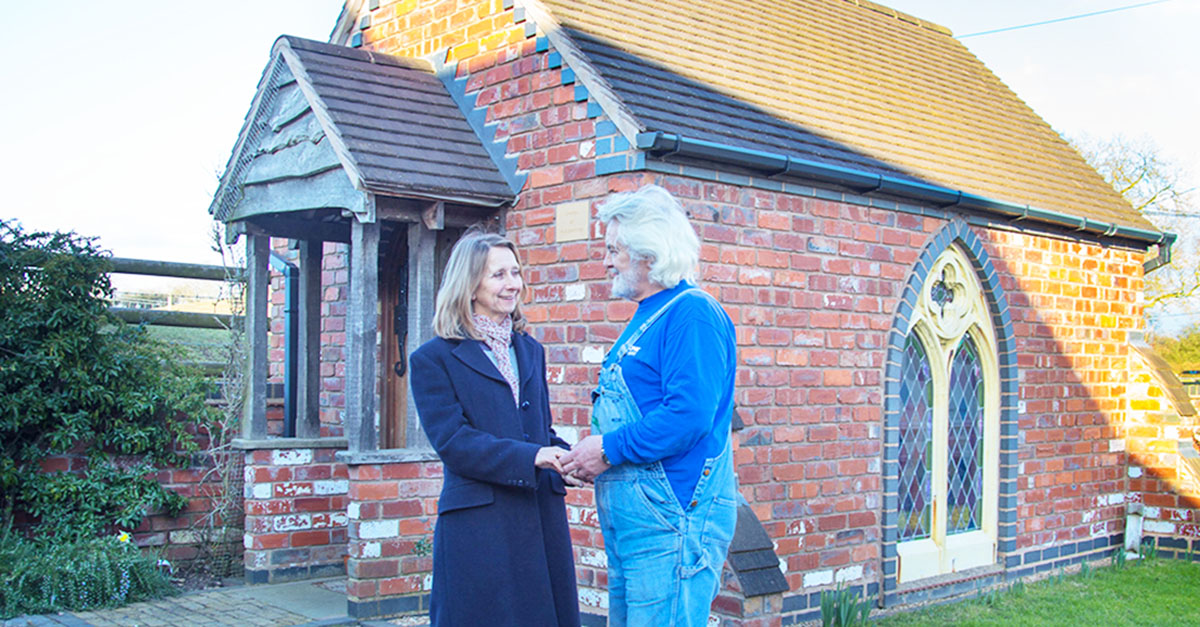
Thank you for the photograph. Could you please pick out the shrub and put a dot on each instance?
(75, 379)
(38, 578)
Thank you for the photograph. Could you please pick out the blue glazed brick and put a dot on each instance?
(639, 161)
(554, 60)
(620, 144)
(825, 194)
(699, 173)
(364, 22)
(530, 29)
(604, 146)
(605, 128)
(594, 110)
(518, 14)
(794, 603)
(774, 186)
(733, 179)
(508, 4)
(664, 167)
(581, 93)
(568, 76)
(610, 165)
(356, 40)
(542, 44)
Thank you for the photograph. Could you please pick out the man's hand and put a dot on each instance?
(585, 461)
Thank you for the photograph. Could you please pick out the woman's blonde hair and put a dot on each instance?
(462, 276)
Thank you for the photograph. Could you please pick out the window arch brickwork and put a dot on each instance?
(896, 530)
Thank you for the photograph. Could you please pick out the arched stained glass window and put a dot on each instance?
(949, 427)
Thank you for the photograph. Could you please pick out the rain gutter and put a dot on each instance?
(868, 182)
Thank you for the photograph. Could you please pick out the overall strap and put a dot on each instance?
(650, 321)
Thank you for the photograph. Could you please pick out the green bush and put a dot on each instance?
(75, 379)
(38, 578)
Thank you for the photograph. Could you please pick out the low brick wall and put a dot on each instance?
(295, 504)
(391, 518)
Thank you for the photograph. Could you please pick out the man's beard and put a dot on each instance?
(625, 284)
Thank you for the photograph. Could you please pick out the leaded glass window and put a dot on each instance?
(965, 443)
(916, 431)
(948, 427)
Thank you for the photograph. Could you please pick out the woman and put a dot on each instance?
(501, 548)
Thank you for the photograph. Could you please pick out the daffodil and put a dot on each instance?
(124, 537)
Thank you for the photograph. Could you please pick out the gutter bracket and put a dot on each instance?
(787, 165)
(957, 202)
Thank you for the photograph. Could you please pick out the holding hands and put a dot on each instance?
(550, 458)
(586, 460)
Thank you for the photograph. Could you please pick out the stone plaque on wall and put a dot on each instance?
(571, 221)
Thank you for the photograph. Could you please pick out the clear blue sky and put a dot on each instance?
(119, 116)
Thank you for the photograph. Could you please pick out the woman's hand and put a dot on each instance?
(547, 457)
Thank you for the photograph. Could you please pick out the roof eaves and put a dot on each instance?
(869, 182)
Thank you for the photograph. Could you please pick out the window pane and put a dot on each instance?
(916, 430)
(965, 445)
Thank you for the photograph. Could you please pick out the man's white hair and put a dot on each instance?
(654, 226)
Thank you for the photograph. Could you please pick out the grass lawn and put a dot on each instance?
(205, 345)
(1150, 592)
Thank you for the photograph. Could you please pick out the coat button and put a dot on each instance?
(526, 437)
(706, 471)
(525, 405)
(693, 503)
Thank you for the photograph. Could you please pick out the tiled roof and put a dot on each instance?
(844, 82)
(390, 123)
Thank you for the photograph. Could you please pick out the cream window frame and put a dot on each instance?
(941, 331)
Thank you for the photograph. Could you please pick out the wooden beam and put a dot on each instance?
(362, 329)
(165, 318)
(422, 295)
(148, 267)
(308, 363)
(254, 402)
(301, 228)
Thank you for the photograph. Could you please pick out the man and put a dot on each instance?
(660, 449)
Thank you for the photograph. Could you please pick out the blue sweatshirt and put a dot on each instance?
(681, 377)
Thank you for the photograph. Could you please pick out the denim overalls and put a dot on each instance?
(664, 560)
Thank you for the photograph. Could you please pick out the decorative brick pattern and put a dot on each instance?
(296, 522)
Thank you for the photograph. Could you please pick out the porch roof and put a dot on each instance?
(331, 124)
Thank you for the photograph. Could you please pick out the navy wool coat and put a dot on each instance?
(501, 547)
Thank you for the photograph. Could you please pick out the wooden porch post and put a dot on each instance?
(254, 402)
(422, 293)
(362, 328)
(308, 363)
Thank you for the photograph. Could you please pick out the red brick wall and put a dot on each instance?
(295, 504)
(335, 279)
(1073, 306)
(179, 537)
(393, 507)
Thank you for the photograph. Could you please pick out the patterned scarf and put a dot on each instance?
(498, 337)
